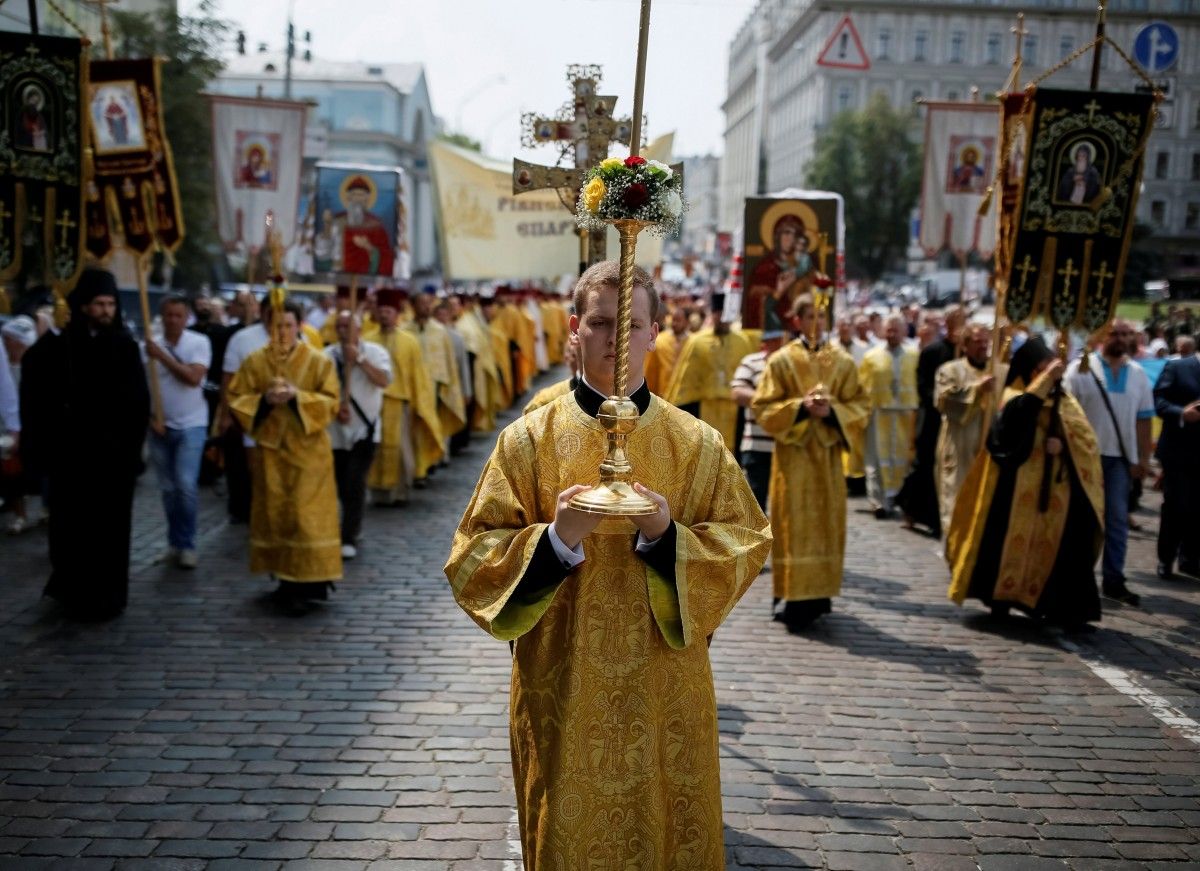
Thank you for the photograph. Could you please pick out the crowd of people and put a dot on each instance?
(306, 415)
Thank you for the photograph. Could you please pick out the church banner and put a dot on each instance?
(488, 233)
(1083, 169)
(258, 150)
(360, 219)
(960, 160)
(791, 238)
(132, 198)
(42, 133)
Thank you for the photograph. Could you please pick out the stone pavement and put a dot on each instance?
(203, 730)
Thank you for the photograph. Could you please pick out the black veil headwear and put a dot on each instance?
(1026, 360)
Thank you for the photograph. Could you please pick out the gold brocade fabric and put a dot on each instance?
(808, 488)
(437, 357)
(889, 435)
(499, 341)
(517, 328)
(485, 372)
(294, 513)
(613, 715)
(1032, 541)
(412, 387)
(660, 363)
(554, 321)
(703, 372)
(547, 395)
(964, 408)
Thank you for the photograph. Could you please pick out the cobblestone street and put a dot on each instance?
(202, 729)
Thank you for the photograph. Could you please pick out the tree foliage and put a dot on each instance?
(870, 158)
(191, 48)
(462, 140)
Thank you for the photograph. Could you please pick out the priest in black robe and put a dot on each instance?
(1027, 527)
(85, 407)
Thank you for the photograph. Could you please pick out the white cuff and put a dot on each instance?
(644, 544)
(568, 557)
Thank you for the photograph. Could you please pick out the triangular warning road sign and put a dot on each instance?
(844, 49)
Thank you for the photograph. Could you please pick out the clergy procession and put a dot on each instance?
(423, 509)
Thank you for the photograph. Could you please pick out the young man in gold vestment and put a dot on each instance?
(613, 713)
(811, 402)
(284, 396)
(410, 429)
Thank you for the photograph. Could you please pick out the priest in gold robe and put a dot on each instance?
(437, 355)
(660, 362)
(284, 395)
(410, 434)
(613, 713)
(811, 402)
(888, 373)
(964, 394)
(1028, 525)
(485, 371)
(701, 382)
(490, 309)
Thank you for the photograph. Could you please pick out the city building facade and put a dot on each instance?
(781, 99)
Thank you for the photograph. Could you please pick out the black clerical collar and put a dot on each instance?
(589, 398)
(981, 365)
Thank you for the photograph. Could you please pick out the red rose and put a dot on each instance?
(631, 162)
(822, 281)
(636, 195)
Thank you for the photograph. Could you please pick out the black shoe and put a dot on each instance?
(1191, 569)
(881, 513)
(1122, 594)
(1000, 610)
(1165, 572)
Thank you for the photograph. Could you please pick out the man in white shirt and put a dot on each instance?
(1118, 400)
(355, 431)
(177, 443)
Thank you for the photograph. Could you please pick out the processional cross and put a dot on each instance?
(585, 126)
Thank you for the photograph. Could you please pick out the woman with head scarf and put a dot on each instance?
(1028, 525)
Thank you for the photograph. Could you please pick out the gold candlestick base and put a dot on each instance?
(615, 496)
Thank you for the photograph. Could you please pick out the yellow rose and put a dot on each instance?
(593, 193)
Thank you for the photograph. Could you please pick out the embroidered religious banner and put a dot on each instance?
(1010, 175)
(1083, 169)
(960, 160)
(42, 128)
(793, 239)
(132, 197)
(360, 219)
(258, 148)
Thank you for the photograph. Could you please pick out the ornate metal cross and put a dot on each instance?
(584, 126)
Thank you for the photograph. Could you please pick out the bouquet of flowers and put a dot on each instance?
(644, 190)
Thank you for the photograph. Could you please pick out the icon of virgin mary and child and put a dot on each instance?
(784, 273)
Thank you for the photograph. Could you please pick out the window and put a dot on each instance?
(1029, 55)
(993, 48)
(957, 39)
(1066, 45)
(1192, 221)
(843, 98)
(1158, 212)
(1162, 164)
(1196, 166)
(952, 96)
(922, 41)
(885, 43)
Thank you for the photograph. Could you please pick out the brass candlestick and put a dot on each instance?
(615, 496)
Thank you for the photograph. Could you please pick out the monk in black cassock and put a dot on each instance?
(1027, 527)
(84, 411)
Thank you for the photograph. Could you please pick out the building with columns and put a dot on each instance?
(779, 99)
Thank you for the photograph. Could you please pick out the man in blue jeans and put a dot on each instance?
(181, 361)
(1117, 398)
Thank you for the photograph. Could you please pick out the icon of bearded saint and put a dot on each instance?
(366, 245)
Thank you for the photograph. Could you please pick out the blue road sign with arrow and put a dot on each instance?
(1156, 47)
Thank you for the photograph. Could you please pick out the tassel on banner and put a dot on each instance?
(62, 312)
(985, 204)
(1084, 365)
(5, 304)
